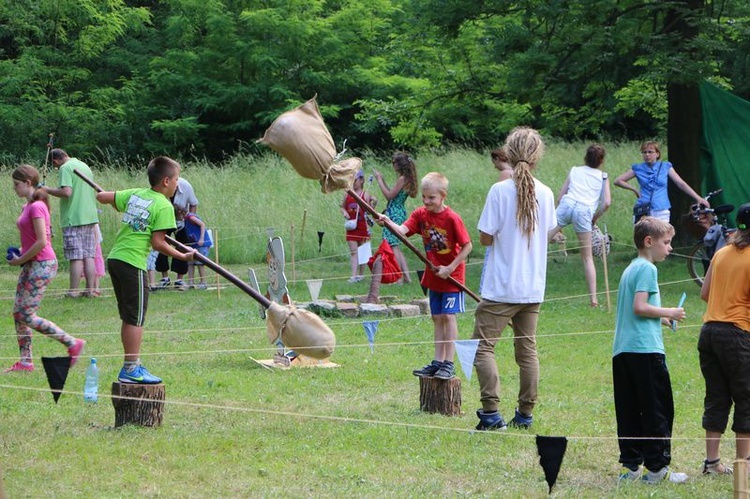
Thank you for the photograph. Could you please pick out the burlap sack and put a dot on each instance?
(301, 136)
(301, 330)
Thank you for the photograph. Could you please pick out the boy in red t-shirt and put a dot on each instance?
(446, 244)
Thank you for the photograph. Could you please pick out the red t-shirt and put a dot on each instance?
(443, 235)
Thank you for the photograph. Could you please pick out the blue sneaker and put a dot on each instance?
(139, 375)
(521, 421)
(490, 421)
(429, 370)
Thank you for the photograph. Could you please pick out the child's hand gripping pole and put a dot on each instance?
(392, 227)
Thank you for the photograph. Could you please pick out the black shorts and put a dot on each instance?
(724, 352)
(131, 290)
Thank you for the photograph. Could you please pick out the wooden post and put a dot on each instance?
(216, 255)
(606, 275)
(294, 270)
(138, 404)
(440, 395)
(302, 231)
(740, 479)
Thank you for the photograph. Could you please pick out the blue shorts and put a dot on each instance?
(203, 250)
(451, 302)
(578, 214)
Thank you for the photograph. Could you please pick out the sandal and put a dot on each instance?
(716, 467)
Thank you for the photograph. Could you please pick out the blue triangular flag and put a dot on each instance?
(371, 327)
(466, 350)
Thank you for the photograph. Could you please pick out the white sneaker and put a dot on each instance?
(654, 477)
(628, 475)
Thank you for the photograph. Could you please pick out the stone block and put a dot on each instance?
(405, 310)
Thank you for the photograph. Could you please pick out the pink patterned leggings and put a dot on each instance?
(33, 280)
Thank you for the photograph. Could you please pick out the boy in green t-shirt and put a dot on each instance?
(147, 216)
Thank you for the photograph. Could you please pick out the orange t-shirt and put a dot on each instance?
(729, 292)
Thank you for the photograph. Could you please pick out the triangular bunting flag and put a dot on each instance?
(420, 273)
(466, 350)
(57, 372)
(320, 240)
(371, 327)
(313, 286)
(551, 451)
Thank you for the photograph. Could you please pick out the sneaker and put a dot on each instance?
(428, 370)
(201, 286)
(179, 285)
(355, 278)
(75, 351)
(489, 421)
(139, 375)
(447, 371)
(20, 367)
(628, 475)
(716, 467)
(521, 421)
(164, 283)
(664, 474)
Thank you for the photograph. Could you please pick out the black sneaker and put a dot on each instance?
(521, 421)
(447, 371)
(490, 421)
(429, 370)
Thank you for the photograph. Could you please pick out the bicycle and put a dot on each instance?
(710, 226)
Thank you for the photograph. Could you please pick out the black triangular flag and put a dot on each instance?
(320, 240)
(420, 273)
(57, 372)
(551, 451)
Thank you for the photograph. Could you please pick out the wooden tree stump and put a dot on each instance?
(440, 395)
(138, 404)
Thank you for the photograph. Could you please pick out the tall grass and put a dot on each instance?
(235, 429)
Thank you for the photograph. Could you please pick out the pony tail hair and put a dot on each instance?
(406, 167)
(524, 147)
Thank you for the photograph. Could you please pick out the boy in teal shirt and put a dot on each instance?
(643, 391)
(147, 216)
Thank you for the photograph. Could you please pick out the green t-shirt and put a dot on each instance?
(80, 207)
(144, 211)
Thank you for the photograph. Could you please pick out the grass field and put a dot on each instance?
(235, 429)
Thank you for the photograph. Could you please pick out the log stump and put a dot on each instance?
(138, 404)
(440, 395)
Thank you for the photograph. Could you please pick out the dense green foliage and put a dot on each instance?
(205, 78)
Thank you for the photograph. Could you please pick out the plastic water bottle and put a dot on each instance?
(91, 387)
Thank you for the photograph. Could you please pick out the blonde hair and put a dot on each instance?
(650, 226)
(524, 147)
(437, 181)
(739, 238)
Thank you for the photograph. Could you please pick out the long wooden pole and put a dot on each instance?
(392, 227)
(216, 252)
(740, 479)
(606, 274)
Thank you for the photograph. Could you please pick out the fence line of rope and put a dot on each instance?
(349, 420)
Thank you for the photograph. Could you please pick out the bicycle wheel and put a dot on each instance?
(697, 263)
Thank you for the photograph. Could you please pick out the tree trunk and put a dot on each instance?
(440, 395)
(684, 120)
(138, 404)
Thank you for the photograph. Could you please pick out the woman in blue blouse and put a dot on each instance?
(652, 177)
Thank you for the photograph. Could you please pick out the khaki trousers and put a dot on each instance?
(490, 319)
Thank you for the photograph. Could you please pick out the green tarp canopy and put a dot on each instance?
(725, 146)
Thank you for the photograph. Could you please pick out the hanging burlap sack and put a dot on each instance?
(301, 137)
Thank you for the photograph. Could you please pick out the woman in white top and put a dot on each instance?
(583, 199)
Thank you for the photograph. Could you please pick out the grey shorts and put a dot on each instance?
(80, 242)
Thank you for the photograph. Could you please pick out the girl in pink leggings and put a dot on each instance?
(38, 266)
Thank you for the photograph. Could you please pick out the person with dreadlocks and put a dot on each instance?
(515, 224)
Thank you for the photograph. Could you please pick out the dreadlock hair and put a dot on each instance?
(405, 166)
(525, 148)
(27, 173)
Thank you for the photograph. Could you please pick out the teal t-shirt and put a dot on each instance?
(80, 208)
(635, 333)
(144, 211)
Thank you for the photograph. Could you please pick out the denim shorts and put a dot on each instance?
(578, 214)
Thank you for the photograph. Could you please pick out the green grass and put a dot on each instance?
(234, 429)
